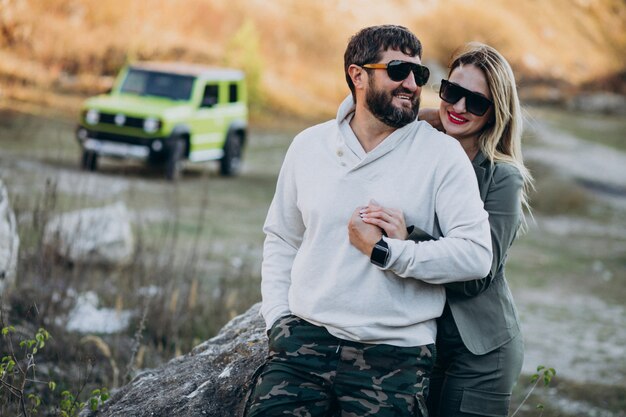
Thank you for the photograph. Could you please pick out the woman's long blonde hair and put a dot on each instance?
(501, 138)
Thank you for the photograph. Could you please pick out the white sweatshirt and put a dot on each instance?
(310, 269)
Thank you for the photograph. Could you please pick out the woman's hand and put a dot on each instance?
(389, 219)
(431, 116)
(363, 236)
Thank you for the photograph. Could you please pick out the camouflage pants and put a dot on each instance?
(310, 373)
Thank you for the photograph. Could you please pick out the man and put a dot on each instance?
(351, 335)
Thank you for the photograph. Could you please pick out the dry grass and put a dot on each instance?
(294, 49)
(197, 250)
(568, 40)
(180, 289)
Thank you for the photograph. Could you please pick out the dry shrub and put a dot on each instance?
(555, 196)
(495, 26)
(297, 60)
(177, 302)
(561, 39)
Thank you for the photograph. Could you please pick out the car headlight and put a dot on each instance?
(92, 116)
(151, 125)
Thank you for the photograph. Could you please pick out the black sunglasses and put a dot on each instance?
(398, 71)
(475, 103)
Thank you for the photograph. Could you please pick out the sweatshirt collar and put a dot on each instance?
(346, 134)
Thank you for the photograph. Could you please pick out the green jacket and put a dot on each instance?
(483, 309)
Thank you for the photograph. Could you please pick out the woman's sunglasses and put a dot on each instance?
(475, 103)
(398, 71)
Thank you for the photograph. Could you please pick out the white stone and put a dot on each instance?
(94, 236)
(9, 241)
(88, 317)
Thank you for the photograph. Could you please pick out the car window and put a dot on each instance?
(233, 93)
(149, 83)
(211, 95)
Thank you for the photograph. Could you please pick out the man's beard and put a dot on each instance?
(380, 104)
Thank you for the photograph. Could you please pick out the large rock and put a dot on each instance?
(213, 380)
(9, 241)
(603, 102)
(92, 236)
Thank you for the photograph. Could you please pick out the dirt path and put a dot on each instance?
(568, 328)
(580, 335)
(599, 168)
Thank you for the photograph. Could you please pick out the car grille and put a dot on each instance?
(114, 137)
(108, 118)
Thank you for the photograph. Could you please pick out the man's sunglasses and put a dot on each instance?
(398, 71)
(475, 103)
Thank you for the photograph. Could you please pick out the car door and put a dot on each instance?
(210, 124)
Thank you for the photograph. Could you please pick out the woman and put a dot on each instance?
(479, 344)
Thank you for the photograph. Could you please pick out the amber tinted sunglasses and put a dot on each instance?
(475, 103)
(398, 71)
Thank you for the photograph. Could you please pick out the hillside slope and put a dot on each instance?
(292, 50)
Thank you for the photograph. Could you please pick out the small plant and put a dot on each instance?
(543, 374)
(16, 374)
(70, 406)
(18, 379)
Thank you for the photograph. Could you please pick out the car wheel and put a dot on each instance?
(174, 159)
(89, 161)
(230, 164)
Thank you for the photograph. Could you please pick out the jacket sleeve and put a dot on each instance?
(284, 230)
(503, 204)
(468, 288)
(418, 235)
(464, 251)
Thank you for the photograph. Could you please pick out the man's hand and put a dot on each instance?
(363, 236)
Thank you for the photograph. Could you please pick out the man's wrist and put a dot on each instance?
(380, 253)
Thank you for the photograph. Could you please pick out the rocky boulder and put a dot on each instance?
(213, 380)
(9, 241)
(603, 102)
(92, 236)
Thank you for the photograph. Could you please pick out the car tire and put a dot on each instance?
(89, 161)
(230, 164)
(174, 159)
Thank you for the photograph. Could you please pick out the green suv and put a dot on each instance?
(165, 114)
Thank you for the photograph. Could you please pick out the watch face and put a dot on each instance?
(380, 254)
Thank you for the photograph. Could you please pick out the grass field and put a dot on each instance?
(605, 129)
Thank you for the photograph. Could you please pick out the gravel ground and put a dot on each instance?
(568, 328)
(565, 325)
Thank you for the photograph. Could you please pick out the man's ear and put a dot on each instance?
(358, 76)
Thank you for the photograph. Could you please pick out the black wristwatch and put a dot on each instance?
(380, 253)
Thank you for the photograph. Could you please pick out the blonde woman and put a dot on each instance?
(479, 344)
